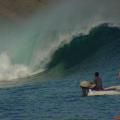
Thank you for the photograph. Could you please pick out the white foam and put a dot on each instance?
(10, 71)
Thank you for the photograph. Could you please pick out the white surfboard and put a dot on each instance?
(103, 92)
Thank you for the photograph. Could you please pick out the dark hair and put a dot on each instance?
(96, 74)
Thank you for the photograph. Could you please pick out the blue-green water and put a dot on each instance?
(55, 100)
(60, 99)
(40, 98)
(52, 36)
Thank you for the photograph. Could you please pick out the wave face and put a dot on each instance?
(26, 45)
(84, 46)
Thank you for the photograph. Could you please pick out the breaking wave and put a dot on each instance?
(10, 71)
(84, 46)
(53, 37)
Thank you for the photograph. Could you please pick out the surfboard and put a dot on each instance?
(103, 92)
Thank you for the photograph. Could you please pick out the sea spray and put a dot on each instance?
(32, 42)
(9, 71)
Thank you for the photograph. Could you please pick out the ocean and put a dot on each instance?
(45, 56)
(58, 96)
(55, 100)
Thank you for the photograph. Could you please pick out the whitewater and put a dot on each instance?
(44, 57)
(28, 46)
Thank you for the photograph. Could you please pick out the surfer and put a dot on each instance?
(98, 82)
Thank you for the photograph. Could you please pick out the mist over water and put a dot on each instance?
(9, 71)
(27, 47)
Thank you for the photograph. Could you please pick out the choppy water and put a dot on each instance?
(55, 100)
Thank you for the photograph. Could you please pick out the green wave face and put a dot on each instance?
(83, 46)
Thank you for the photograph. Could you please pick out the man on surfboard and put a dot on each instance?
(98, 82)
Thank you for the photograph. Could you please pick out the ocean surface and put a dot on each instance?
(55, 100)
(69, 41)
(59, 98)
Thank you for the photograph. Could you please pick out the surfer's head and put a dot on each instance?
(96, 74)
